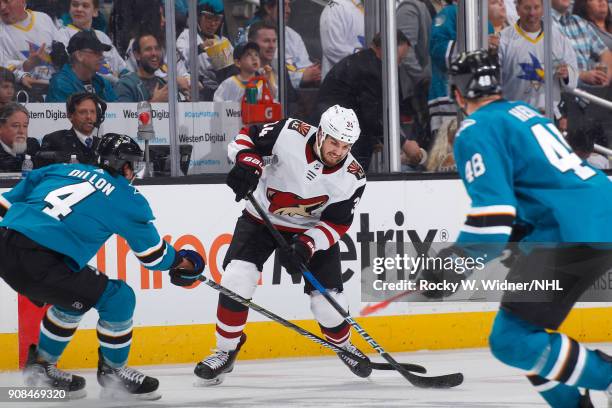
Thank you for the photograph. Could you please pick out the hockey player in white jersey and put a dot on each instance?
(310, 191)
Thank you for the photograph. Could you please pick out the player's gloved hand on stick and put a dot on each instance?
(299, 253)
(444, 271)
(189, 265)
(245, 174)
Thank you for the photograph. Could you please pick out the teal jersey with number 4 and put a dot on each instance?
(74, 208)
(516, 165)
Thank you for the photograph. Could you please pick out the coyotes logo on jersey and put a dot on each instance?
(301, 127)
(356, 169)
(288, 203)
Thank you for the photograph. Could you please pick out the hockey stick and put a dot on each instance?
(369, 309)
(443, 381)
(304, 332)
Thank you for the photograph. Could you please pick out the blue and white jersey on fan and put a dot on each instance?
(521, 57)
(74, 208)
(515, 164)
(16, 40)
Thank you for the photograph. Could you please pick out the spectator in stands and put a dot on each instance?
(582, 141)
(25, 42)
(597, 13)
(7, 86)
(497, 15)
(85, 112)
(214, 50)
(302, 71)
(414, 20)
(144, 84)
(594, 58)
(342, 29)
(153, 22)
(86, 56)
(246, 58)
(80, 75)
(521, 57)
(511, 14)
(264, 35)
(98, 20)
(356, 83)
(14, 140)
(82, 13)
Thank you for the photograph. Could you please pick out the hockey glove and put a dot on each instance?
(299, 253)
(445, 273)
(245, 174)
(185, 276)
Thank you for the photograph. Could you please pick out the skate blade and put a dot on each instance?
(201, 382)
(121, 395)
(31, 381)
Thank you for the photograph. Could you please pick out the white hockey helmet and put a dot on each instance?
(339, 123)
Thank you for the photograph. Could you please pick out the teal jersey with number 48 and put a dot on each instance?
(516, 165)
(74, 208)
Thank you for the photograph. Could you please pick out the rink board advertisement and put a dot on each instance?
(206, 126)
(175, 324)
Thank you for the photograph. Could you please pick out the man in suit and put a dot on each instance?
(14, 140)
(86, 112)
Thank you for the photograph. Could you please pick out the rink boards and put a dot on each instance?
(175, 325)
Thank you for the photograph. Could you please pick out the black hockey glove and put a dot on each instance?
(299, 253)
(245, 174)
(445, 272)
(184, 276)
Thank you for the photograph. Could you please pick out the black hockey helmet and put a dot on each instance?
(475, 74)
(114, 150)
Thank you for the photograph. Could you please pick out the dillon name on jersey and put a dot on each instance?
(301, 194)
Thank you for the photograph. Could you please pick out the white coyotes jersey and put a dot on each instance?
(299, 193)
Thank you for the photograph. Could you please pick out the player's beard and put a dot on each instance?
(20, 147)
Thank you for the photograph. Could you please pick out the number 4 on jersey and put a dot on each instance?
(61, 200)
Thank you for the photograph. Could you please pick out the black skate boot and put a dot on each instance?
(358, 368)
(213, 368)
(125, 382)
(42, 374)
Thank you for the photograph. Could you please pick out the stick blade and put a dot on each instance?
(441, 381)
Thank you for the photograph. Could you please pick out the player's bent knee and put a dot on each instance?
(516, 342)
(241, 277)
(117, 303)
(324, 312)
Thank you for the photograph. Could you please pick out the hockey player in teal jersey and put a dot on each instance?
(53, 222)
(518, 169)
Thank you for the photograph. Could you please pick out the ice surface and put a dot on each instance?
(326, 382)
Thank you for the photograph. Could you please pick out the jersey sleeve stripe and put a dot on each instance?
(328, 234)
(337, 229)
(492, 209)
(150, 257)
(4, 205)
(490, 220)
(245, 143)
(487, 230)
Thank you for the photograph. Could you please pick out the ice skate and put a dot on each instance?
(125, 383)
(358, 368)
(42, 374)
(213, 368)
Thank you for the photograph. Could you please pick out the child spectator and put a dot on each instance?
(246, 58)
(7, 86)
